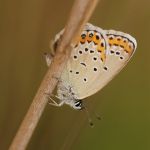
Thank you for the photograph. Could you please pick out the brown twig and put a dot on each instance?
(80, 13)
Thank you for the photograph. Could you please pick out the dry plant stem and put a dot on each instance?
(80, 13)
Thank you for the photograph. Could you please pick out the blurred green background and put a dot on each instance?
(26, 28)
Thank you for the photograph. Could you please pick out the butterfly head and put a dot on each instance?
(78, 105)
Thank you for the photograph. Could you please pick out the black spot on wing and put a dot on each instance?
(75, 57)
(86, 49)
(95, 69)
(83, 64)
(85, 79)
(105, 68)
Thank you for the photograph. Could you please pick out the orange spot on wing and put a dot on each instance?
(122, 43)
(102, 50)
(82, 40)
(88, 38)
(95, 40)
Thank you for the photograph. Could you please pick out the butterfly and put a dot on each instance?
(95, 59)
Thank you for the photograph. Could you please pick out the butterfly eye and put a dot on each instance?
(78, 103)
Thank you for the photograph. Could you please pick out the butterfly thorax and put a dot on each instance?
(67, 95)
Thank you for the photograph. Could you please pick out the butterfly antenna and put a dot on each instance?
(88, 116)
(98, 116)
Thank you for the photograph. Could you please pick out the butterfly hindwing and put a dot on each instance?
(121, 48)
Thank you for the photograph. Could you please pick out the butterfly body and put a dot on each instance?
(95, 59)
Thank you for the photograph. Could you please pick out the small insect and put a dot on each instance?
(95, 59)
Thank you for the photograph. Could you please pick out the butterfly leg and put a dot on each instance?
(55, 96)
(53, 102)
(48, 58)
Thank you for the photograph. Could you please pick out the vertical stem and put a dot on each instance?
(80, 13)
